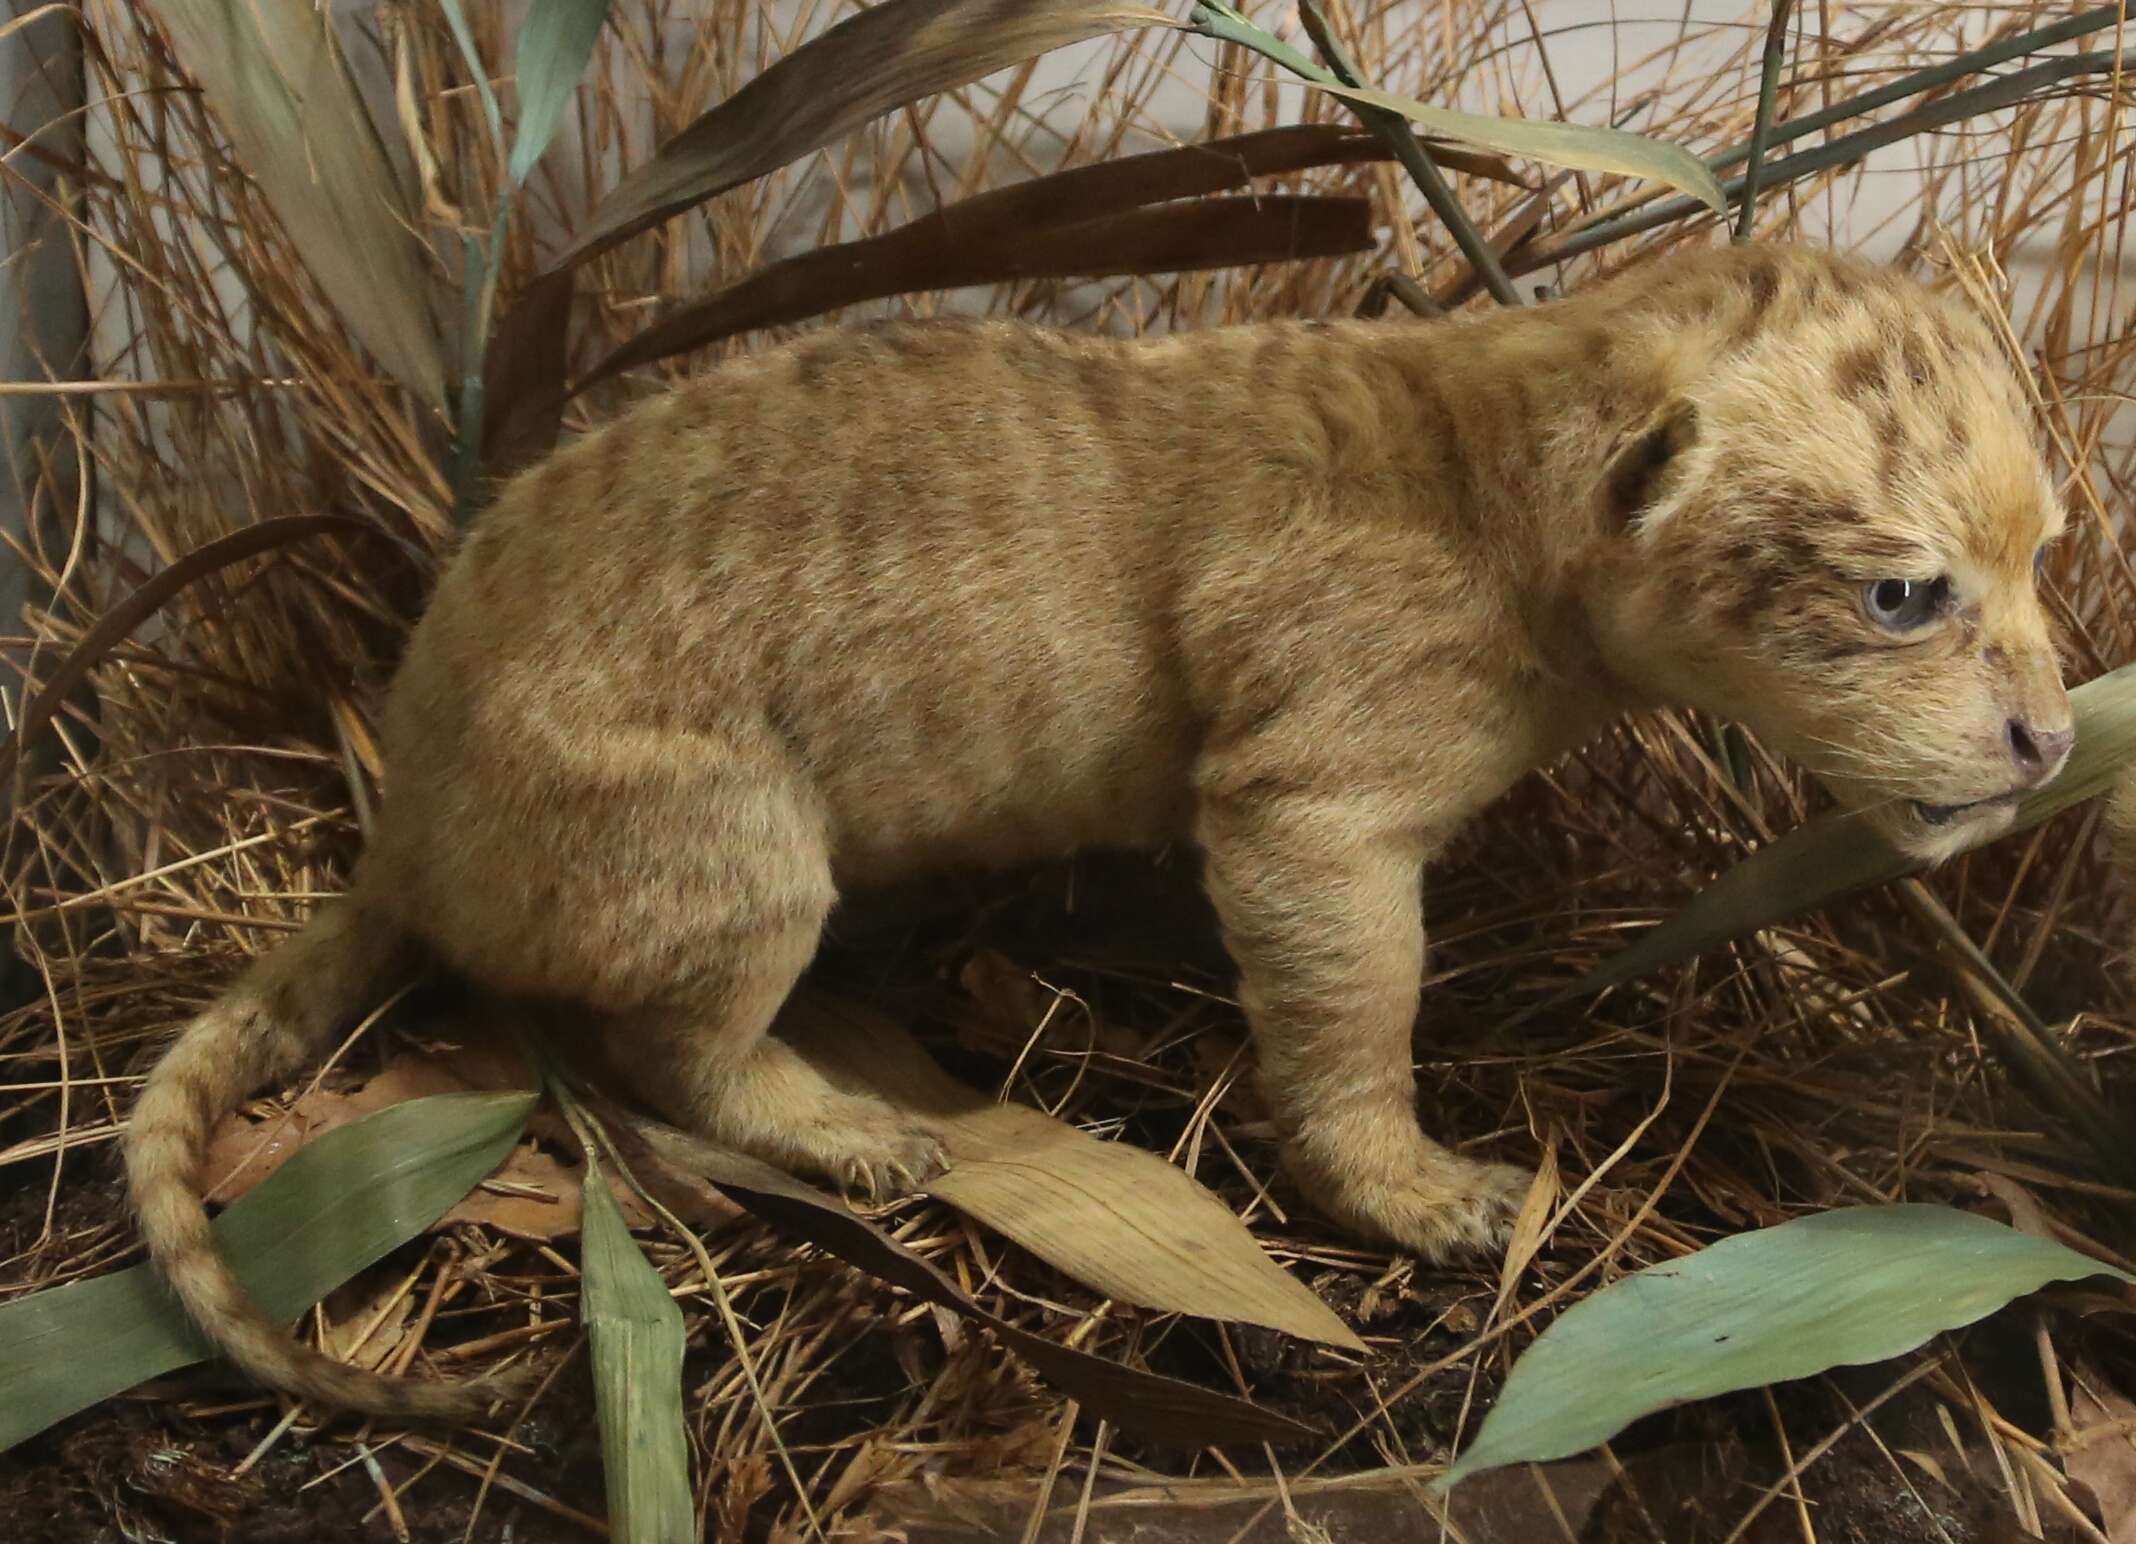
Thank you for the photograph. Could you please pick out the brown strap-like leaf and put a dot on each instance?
(525, 375)
(947, 253)
(115, 625)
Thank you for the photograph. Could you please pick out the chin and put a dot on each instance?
(1931, 842)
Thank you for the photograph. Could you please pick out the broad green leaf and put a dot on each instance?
(1836, 854)
(891, 53)
(1578, 146)
(277, 84)
(1833, 1289)
(635, 1334)
(1581, 147)
(1116, 1218)
(555, 41)
(340, 1204)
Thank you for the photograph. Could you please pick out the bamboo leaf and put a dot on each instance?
(1116, 1218)
(1833, 1289)
(464, 38)
(1578, 146)
(635, 1334)
(277, 84)
(555, 41)
(1161, 1409)
(338, 1205)
(1837, 854)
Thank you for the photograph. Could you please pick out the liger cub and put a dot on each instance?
(899, 598)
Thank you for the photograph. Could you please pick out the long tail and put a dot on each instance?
(281, 1014)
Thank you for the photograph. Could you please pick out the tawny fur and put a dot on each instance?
(900, 598)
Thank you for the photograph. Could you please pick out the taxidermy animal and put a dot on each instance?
(901, 598)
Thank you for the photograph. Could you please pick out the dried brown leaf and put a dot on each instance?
(532, 1195)
(275, 80)
(113, 627)
(1116, 1218)
(1162, 1409)
(2100, 1454)
(948, 253)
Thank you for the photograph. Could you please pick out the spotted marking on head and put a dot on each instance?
(1854, 426)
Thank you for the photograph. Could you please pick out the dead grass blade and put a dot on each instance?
(1160, 1409)
(1116, 1218)
(635, 1331)
(276, 81)
(115, 625)
(937, 253)
(337, 1206)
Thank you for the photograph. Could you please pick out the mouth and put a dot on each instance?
(1944, 814)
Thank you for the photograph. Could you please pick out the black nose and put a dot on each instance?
(2039, 751)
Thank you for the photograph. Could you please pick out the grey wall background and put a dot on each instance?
(42, 323)
(42, 326)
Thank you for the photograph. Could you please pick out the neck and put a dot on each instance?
(1515, 415)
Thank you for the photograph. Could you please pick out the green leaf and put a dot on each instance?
(1833, 1289)
(1578, 146)
(555, 41)
(471, 56)
(277, 85)
(339, 1204)
(635, 1333)
(1836, 854)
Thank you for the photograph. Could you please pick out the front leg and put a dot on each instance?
(1321, 906)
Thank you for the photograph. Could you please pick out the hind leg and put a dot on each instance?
(670, 887)
(736, 872)
(705, 1061)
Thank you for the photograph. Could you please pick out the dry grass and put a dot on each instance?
(209, 789)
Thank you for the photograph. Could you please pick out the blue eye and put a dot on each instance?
(1901, 605)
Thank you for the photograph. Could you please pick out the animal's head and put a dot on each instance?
(1830, 531)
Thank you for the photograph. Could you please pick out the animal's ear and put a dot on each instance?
(1639, 467)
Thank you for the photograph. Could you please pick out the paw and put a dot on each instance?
(1451, 1207)
(884, 1154)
